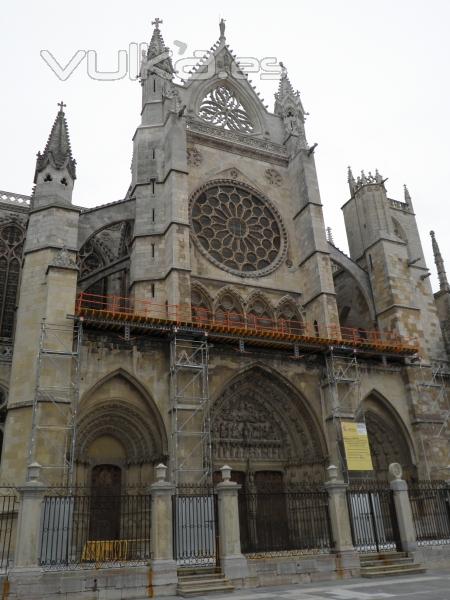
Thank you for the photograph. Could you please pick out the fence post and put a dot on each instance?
(232, 561)
(405, 521)
(338, 510)
(29, 519)
(164, 567)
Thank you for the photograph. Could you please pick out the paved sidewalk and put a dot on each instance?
(434, 585)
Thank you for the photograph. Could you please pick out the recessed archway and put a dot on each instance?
(389, 440)
(119, 424)
(261, 423)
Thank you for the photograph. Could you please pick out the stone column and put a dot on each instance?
(407, 531)
(338, 510)
(232, 561)
(29, 520)
(164, 567)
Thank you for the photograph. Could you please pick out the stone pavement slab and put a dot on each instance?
(435, 585)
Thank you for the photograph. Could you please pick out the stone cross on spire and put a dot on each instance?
(62, 106)
(442, 275)
(158, 54)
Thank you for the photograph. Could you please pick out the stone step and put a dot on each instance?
(201, 589)
(407, 570)
(182, 571)
(197, 582)
(199, 577)
(382, 555)
(390, 567)
(387, 562)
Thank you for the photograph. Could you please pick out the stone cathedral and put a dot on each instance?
(207, 318)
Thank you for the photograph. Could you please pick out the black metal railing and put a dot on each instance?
(373, 518)
(430, 505)
(9, 505)
(195, 526)
(296, 519)
(95, 529)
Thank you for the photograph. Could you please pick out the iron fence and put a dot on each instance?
(373, 519)
(95, 529)
(430, 505)
(295, 519)
(195, 526)
(9, 505)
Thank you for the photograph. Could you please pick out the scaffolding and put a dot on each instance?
(343, 379)
(55, 404)
(190, 410)
(431, 382)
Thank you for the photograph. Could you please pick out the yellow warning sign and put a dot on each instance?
(356, 444)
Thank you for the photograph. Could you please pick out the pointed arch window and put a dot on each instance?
(259, 315)
(12, 236)
(201, 306)
(221, 107)
(289, 319)
(229, 310)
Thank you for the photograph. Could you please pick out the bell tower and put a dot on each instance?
(383, 239)
(160, 252)
(47, 294)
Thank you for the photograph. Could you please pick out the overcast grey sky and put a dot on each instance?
(374, 76)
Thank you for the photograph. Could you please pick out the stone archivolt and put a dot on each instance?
(130, 426)
(387, 444)
(257, 418)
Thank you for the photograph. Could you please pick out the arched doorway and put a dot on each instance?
(119, 426)
(263, 429)
(388, 439)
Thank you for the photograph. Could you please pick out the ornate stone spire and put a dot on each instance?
(286, 92)
(407, 195)
(351, 181)
(289, 106)
(442, 275)
(57, 152)
(158, 53)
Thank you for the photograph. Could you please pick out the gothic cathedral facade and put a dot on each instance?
(207, 318)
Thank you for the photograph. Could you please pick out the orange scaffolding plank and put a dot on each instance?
(132, 310)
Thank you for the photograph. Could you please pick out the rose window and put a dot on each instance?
(237, 229)
(221, 107)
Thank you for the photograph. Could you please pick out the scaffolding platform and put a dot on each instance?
(144, 316)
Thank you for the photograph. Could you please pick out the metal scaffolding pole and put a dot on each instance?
(432, 382)
(344, 380)
(55, 403)
(190, 411)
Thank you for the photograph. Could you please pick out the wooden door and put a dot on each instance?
(104, 522)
